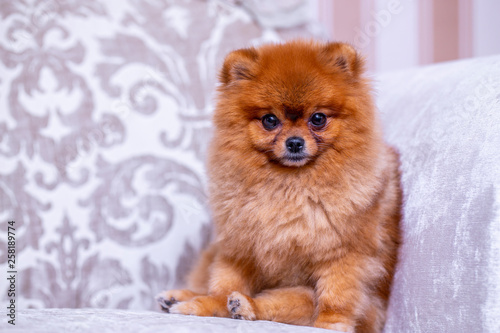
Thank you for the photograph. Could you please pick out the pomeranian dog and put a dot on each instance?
(304, 192)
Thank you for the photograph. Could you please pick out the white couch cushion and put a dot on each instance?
(445, 121)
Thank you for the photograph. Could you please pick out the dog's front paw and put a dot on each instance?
(165, 303)
(166, 299)
(187, 308)
(240, 306)
(205, 305)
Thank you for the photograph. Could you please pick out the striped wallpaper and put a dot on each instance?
(396, 34)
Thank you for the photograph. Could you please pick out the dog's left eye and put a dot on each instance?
(318, 119)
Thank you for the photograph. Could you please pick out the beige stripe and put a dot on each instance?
(371, 28)
(325, 14)
(465, 28)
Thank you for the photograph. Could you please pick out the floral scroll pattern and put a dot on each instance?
(105, 114)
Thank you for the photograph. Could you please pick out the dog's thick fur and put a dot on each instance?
(309, 241)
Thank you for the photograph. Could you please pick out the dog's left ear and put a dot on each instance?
(343, 57)
(239, 65)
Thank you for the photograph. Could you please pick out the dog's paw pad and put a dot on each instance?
(165, 302)
(240, 307)
(233, 305)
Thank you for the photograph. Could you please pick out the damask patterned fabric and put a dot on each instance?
(105, 113)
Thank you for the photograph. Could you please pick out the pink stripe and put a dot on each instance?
(425, 32)
(445, 30)
(352, 21)
(346, 18)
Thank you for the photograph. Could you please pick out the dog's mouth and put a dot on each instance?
(295, 159)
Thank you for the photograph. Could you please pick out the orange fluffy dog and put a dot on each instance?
(305, 194)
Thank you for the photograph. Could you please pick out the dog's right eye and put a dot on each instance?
(270, 121)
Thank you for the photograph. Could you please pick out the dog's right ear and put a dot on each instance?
(343, 57)
(239, 65)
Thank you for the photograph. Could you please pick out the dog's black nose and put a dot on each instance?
(295, 144)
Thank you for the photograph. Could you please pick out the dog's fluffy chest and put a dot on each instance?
(297, 219)
(290, 226)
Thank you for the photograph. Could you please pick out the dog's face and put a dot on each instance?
(293, 135)
(293, 102)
